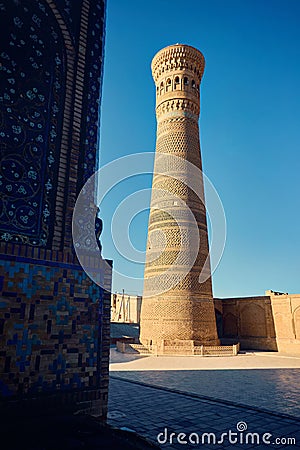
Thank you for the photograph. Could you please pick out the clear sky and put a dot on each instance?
(249, 128)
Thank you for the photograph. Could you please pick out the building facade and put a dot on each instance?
(125, 308)
(177, 306)
(270, 322)
(54, 321)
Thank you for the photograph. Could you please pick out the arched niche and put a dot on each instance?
(253, 321)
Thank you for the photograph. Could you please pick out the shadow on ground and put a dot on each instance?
(67, 432)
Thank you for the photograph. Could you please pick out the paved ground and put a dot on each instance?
(151, 412)
(265, 381)
(249, 360)
(205, 400)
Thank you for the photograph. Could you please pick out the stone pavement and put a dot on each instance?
(150, 411)
(265, 381)
(154, 395)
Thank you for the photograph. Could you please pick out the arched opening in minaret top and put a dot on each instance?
(168, 85)
(161, 87)
(177, 83)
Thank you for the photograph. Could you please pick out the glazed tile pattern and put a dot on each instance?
(31, 105)
(50, 78)
(50, 327)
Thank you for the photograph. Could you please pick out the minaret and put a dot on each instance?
(177, 308)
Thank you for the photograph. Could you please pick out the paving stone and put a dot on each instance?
(181, 413)
(276, 390)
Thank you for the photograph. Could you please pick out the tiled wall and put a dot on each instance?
(53, 323)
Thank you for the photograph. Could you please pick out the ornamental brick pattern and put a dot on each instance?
(176, 306)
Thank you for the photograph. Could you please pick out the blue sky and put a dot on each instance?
(249, 128)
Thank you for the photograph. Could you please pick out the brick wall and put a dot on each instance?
(249, 320)
(270, 322)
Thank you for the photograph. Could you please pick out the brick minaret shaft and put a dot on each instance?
(185, 311)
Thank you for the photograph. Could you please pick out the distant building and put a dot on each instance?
(269, 322)
(126, 308)
(54, 321)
